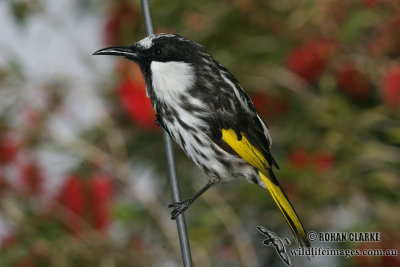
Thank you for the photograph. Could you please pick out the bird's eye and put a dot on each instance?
(158, 52)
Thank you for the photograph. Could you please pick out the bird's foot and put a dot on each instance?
(179, 207)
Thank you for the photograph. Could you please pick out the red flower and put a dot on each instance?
(310, 59)
(31, 178)
(387, 40)
(8, 149)
(270, 107)
(299, 158)
(132, 92)
(323, 161)
(101, 189)
(391, 87)
(353, 83)
(370, 3)
(72, 196)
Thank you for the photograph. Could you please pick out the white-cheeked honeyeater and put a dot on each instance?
(206, 111)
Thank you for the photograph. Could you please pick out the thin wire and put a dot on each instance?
(176, 195)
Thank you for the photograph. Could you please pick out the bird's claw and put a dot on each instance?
(179, 208)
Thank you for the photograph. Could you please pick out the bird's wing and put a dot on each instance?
(238, 126)
(245, 149)
(233, 109)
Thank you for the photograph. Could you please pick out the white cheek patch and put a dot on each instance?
(171, 79)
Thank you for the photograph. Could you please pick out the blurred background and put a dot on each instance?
(83, 177)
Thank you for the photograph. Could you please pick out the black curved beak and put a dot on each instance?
(126, 51)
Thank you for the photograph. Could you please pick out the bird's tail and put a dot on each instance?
(286, 208)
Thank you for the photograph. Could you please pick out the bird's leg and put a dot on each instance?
(180, 207)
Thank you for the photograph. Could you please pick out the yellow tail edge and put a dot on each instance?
(287, 210)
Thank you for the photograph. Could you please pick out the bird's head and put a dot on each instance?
(158, 47)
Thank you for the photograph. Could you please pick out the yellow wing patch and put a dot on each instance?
(254, 157)
(246, 150)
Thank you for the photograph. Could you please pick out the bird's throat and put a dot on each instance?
(171, 79)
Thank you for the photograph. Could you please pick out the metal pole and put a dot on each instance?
(176, 195)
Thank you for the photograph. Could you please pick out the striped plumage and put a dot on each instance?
(206, 111)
